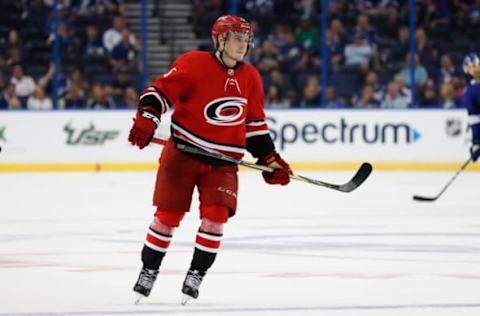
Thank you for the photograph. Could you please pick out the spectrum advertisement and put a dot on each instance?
(424, 136)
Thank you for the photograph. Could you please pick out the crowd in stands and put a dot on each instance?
(368, 44)
(99, 56)
(368, 50)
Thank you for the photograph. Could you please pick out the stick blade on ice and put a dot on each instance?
(424, 198)
(361, 175)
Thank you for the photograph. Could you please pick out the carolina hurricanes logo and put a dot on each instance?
(225, 111)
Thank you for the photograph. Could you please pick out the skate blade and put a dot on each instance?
(139, 298)
(186, 299)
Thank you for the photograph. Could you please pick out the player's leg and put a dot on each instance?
(176, 179)
(218, 201)
(156, 245)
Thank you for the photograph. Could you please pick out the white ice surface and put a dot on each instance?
(70, 245)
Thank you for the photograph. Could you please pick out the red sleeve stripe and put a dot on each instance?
(256, 133)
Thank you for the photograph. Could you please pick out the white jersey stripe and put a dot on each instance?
(204, 144)
(474, 119)
(207, 249)
(209, 237)
(154, 247)
(256, 133)
(160, 237)
(259, 123)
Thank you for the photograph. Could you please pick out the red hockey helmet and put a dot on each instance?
(230, 23)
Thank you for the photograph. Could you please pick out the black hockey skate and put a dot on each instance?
(144, 284)
(191, 285)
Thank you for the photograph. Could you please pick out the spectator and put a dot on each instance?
(378, 89)
(90, 8)
(375, 7)
(448, 98)
(335, 51)
(447, 70)
(279, 36)
(77, 81)
(39, 100)
(121, 83)
(113, 35)
(337, 8)
(420, 73)
(393, 98)
(437, 17)
(307, 36)
(75, 98)
(429, 95)
(268, 58)
(405, 92)
(337, 32)
(99, 99)
(363, 26)
(274, 99)
(427, 53)
(390, 26)
(92, 46)
(332, 102)
(124, 54)
(359, 52)
(367, 99)
(24, 84)
(400, 47)
(292, 55)
(14, 40)
(473, 17)
(69, 44)
(13, 56)
(131, 97)
(311, 93)
(9, 99)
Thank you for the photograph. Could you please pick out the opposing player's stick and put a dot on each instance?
(431, 199)
(360, 176)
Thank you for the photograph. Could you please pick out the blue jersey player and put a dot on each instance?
(471, 66)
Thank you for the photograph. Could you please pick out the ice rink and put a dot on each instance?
(70, 245)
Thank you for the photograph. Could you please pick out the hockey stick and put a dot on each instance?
(360, 176)
(432, 199)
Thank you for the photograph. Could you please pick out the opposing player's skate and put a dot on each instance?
(192, 282)
(144, 284)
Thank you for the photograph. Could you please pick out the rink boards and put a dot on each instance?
(309, 139)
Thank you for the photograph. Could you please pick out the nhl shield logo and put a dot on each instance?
(453, 127)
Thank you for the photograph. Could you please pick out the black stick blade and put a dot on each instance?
(424, 198)
(361, 175)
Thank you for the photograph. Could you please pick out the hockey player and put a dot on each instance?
(471, 66)
(218, 106)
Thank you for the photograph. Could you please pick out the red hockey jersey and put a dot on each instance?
(215, 107)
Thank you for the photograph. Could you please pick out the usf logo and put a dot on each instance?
(2, 134)
(88, 136)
